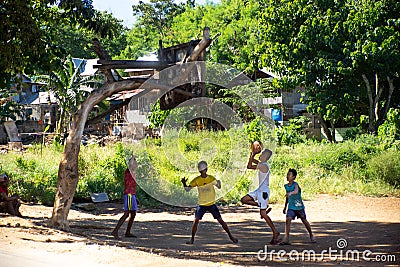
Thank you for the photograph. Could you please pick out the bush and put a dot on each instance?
(292, 133)
(389, 131)
(352, 134)
(386, 167)
(362, 166)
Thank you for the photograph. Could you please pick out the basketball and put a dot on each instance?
(256, 147)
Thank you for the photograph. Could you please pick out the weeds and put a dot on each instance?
(363, 166)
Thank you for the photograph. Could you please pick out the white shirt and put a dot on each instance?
(263, 178)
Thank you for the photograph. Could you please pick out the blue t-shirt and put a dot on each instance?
(295, 201)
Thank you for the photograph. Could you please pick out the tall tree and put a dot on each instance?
(312, 44)
(235, 22)
(373, 46)
(76, 40)
(154, 22)
(24, 43)
(31, 38)
(158, 15)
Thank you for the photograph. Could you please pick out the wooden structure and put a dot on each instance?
(68, 172)
(168, 57)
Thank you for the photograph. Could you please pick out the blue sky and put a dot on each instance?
(122, 9)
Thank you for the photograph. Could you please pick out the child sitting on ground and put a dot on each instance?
(8, 204)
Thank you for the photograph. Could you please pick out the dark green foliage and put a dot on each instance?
(352, 133)
(8, 109)
(27, 27)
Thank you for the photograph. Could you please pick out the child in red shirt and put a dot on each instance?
(9, 204)
(130, 201)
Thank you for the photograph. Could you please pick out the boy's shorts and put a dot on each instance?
(261, 197)
(301, 214)
(130, 203)
(213, 209)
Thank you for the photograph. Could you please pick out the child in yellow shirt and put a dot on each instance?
(206, 203)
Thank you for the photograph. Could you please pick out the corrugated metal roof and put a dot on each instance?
(124, 95)
(43, 98)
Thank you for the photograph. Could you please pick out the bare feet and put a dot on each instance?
(130, 235)
(275, 239)
(190, 241)
(234, 239)
(284, 243)
(312, 239)
(115, 235)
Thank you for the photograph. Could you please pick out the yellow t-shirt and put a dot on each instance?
(206, 189)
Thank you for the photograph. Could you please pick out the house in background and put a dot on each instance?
(288, 106)
(130, 121)
(38, 110)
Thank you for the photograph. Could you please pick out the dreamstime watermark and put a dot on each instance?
(340, 253)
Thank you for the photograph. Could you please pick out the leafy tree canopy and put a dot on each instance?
(327, 45)
(31, 38)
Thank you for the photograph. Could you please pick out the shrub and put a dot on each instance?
(386, 167)
(362, 166)
(255, 130)
(292, 133)
(389, 131)
(352, 133)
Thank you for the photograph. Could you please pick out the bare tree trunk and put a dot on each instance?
(333, 132)
(68, 168)
(373, 103)
(371, 114)
(326, 130)
(200, 47)
(387, 104)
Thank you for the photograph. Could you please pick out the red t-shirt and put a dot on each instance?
(3, 190)
(130, 182)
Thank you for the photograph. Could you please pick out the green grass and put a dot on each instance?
(361, 167)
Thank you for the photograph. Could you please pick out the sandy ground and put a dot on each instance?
(350, 226)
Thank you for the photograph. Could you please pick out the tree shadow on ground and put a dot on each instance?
(346, 241)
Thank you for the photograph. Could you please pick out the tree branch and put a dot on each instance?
(389, 98)
(204, 43)
(103, 55)
(377, 96)
(371, 126)
(109, 111)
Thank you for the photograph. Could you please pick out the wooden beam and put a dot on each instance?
(131, 64)
(204, 43)
(103, 55)
(183, 92)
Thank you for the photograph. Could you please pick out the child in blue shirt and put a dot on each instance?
(296, 206)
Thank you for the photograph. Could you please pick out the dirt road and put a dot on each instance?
(345, 227)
